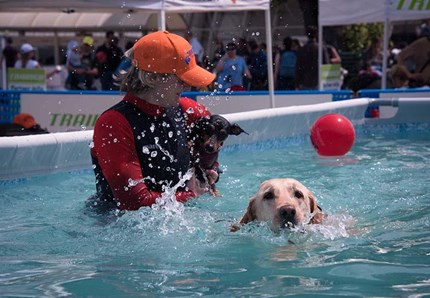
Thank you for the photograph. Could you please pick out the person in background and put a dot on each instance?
(374, 54)
(89, 63)
(9, 54)
(81, 65)
(140, 144)
(124, 66)
(26, 59)
(333, 55)
(197, 47)
(218, 52)
(257, 64)
(231, 69)
(76, 76)
(416, 58)
(285, 66)
(307, 62)
(399, 77)
(296, 44)
(108, 58)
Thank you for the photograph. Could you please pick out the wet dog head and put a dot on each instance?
(283, 202)
(210, 132)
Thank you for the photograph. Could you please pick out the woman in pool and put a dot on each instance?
(140, 144)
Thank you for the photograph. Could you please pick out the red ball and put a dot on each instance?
(332, 135)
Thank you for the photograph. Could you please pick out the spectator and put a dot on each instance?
(417, 60)
(76, 78)
(140, 144)
(197, 47)
(285, 66)
(27, 57)
(367, 78)
(374, 54)
(218, 52)
(257, 63)
(108, 57)
(399, 77)
(10, 53)
(333, 55)
(81, 65)
(242, 48)
(307, 62)
(231, 69)
(296, 44)
(124, 66)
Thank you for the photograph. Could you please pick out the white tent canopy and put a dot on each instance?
(346, 12)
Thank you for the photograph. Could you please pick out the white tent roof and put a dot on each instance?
(106, 14)
(115, 5)
(346, 12)
(58, 21)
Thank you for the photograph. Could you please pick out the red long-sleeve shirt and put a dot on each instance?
(114, 147)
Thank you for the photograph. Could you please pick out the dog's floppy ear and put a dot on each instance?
(247, 217)
(318, 216)
(249, 214)
(236, 130)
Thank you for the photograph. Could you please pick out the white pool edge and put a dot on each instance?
(25, 156)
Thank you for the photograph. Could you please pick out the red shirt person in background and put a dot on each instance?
(140, 144)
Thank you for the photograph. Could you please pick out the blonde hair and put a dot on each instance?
(400, 72)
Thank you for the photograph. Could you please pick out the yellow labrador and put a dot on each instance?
(284, 203)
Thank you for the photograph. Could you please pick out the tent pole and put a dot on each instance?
(3, 64)
(269, 58)
(320, 61)
(162, 18)
(385, 47)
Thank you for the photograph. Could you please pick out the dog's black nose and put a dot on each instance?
(288, 214)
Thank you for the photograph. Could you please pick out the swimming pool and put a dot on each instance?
(376, 241)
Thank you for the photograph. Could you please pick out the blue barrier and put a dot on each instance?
(336, 94)
(373, 109)
(9, 105)
(378, 93)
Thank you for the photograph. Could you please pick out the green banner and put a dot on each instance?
(26, 79)
(330, 77)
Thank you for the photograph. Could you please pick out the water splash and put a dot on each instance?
(166, 215)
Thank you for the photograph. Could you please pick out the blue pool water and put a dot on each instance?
(375, 242)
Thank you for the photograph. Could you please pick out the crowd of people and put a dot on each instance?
(241, 64)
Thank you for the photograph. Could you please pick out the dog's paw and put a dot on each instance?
(234, 228)
(214, 192)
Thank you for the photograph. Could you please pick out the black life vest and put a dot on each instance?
(161, 146)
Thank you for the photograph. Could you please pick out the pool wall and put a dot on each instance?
(26, 156)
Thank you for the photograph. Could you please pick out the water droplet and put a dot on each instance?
(91, 145)
(145, 150)
(153, 153)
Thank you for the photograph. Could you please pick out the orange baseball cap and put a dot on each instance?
(25, 120)
(165, 52)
